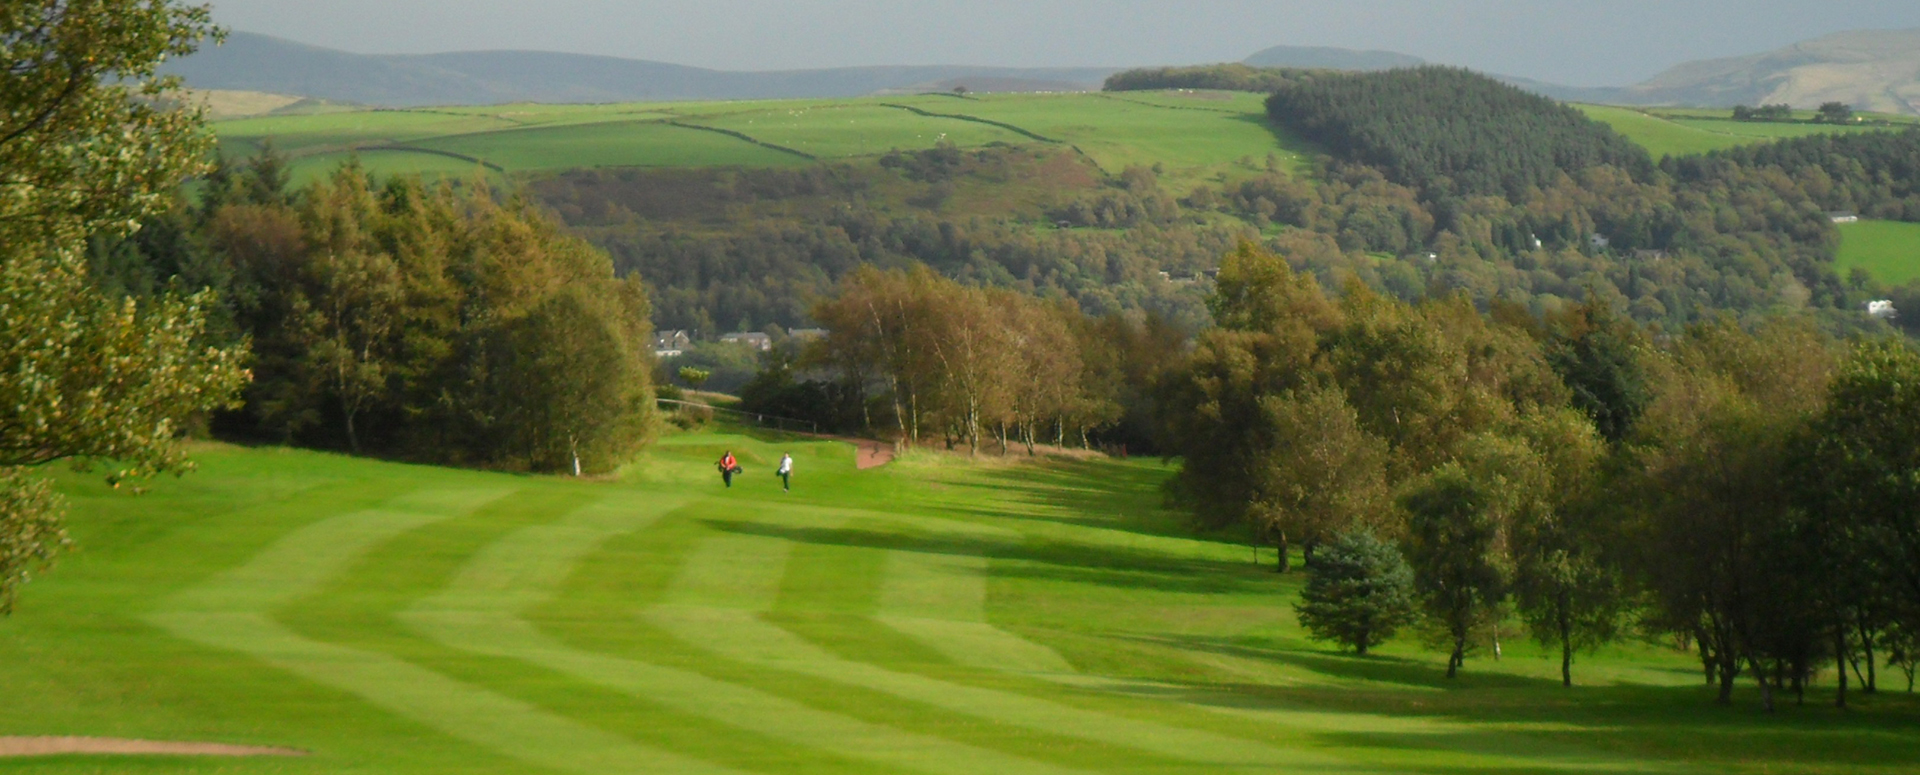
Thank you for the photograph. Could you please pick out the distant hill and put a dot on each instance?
(261, 63)
(1317, 57)
(1875, 70)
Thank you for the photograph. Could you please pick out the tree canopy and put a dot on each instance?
(89, 144)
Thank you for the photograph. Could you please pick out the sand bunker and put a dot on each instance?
(49, 746)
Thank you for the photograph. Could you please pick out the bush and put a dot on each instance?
(1359, 591)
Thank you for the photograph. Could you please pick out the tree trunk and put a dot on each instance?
(1872, 684)
(1706, 653)
(1286, 563)
(973, 427)
(913, 411)
(1729, 670)
(899, 414)
(353, 438)
(1566, 644)
(1840, 657)
(1458, 657)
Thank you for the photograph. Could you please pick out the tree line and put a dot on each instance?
(1744, 490)
(1222, 77)
(432, 322)
(933, 361)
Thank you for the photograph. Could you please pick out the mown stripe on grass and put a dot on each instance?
(480, 611)
(736, 632)
(231, 611)
(941, 601)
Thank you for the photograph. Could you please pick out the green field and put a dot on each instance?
(1890, 250)
(931, 616)
(1192, 136)
(1679, 132)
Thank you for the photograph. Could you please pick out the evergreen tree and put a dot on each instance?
(1359, 592)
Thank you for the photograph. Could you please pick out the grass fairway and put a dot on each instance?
(931, 616)
(1192, 137)
(1890, 250)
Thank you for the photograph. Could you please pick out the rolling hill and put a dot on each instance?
(261, 63)
(1190, 135)
(1876, 70)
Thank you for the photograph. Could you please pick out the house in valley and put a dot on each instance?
(670, 344)
(753, 339)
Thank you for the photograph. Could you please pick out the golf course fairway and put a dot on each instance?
(936, 615)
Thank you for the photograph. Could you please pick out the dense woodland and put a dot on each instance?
(1451, 132)
(737, 250)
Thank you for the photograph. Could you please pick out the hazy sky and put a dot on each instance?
(1575, 42)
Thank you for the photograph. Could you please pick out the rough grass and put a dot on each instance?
(933, 616)
(1889, 250)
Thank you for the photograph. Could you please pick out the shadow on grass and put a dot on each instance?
(1102, 566)
(1585, 729)
(1104, 494)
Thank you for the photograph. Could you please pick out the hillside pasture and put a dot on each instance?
(612, 144)
(389, 161)
(1889, 250)
(848, 131)
(1682, 132)
(1191, 138)
(932, 616)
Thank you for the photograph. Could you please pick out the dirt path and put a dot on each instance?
(873, 454)
(50, 746)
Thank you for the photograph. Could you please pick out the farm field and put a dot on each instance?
(1194, 136)
(931, 616)
(1890, 250)
(1678, 132)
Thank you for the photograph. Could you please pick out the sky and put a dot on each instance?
(1572, 42)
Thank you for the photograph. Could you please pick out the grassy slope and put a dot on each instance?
(1678, 132)
(1193, 137)
(926, 617)
(1888, 249)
